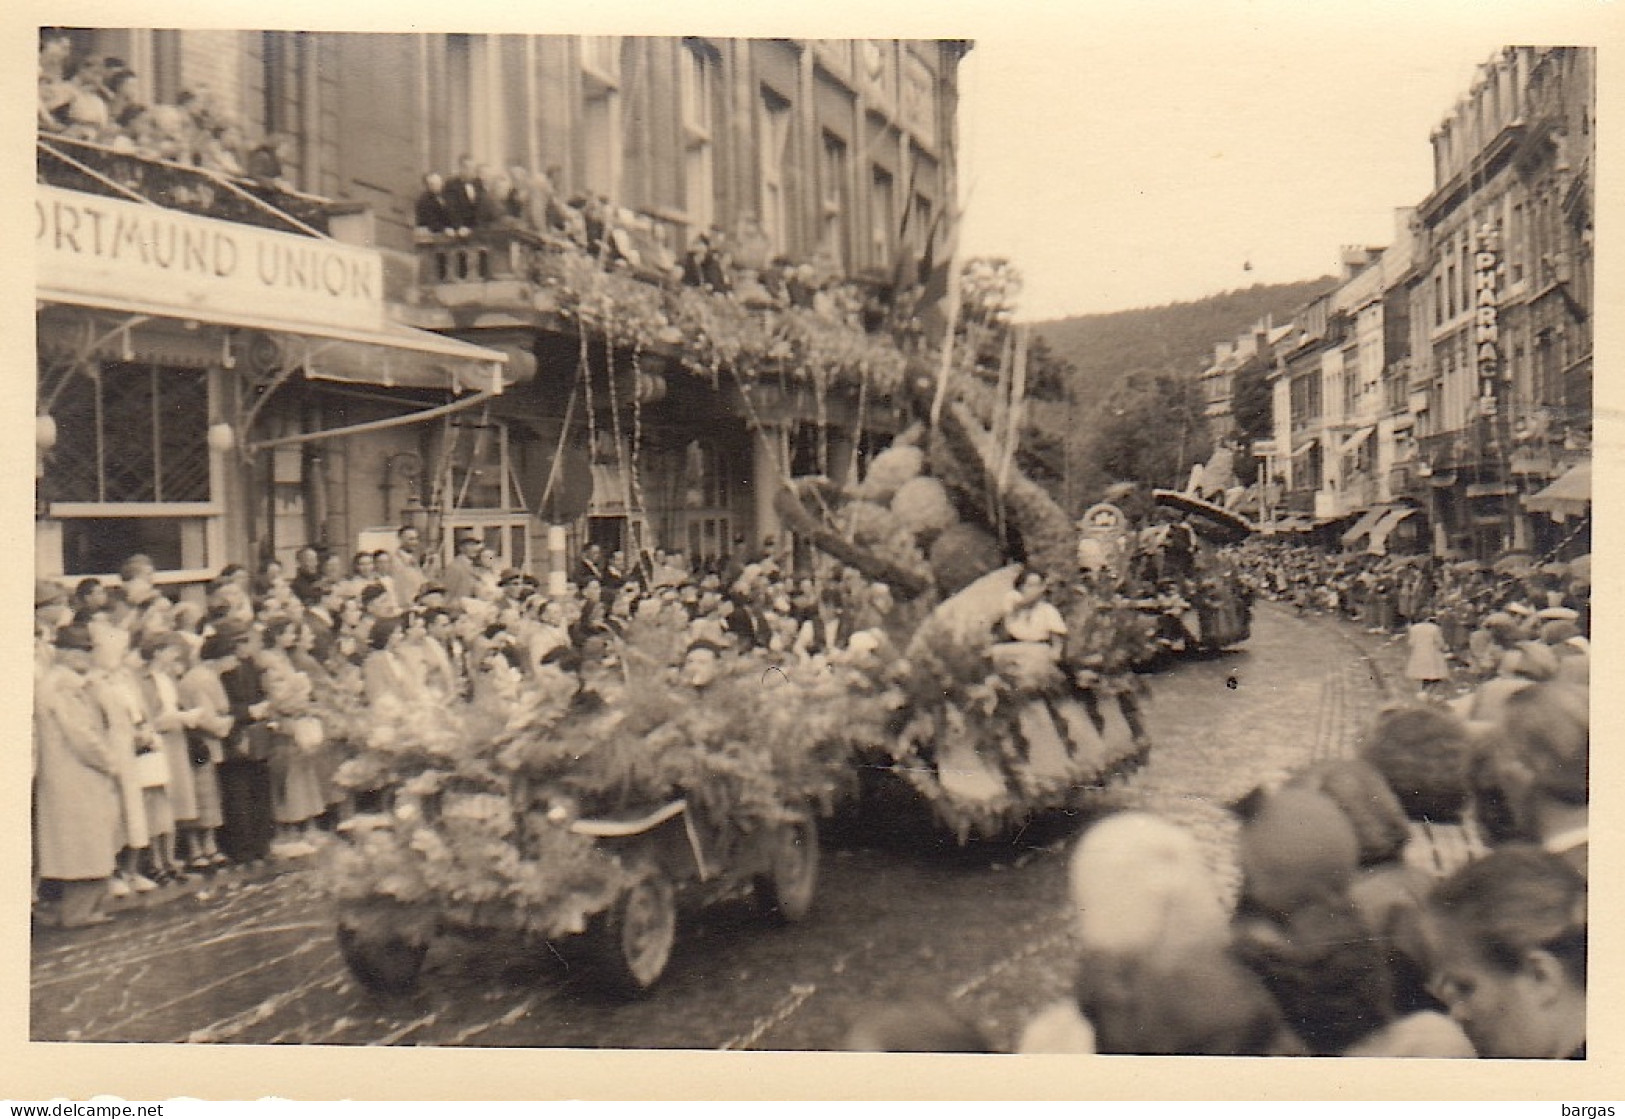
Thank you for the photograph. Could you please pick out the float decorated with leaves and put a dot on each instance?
(995, 722)
(594, 803)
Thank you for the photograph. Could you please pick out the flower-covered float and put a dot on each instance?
(1183, 582)
(600, 800)
(1014, 667)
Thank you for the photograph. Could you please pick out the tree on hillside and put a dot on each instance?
(1252, 407)
(1150, 429)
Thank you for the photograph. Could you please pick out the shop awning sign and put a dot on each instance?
(106, 251)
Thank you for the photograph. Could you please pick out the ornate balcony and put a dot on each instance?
(96, 169)
(763, 325)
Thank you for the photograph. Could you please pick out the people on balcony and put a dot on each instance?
(465, 194)
(432, 211)
(267, 163)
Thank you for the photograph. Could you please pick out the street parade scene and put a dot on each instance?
(552, 541)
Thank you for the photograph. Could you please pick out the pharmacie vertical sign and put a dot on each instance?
(1486, 318)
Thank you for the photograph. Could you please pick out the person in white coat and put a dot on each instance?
(1427, 664)
(76, 792)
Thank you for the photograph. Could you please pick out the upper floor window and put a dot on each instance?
(919, 229)
(601, 155)
(696, 77)
(919, 98)
(774, 139)
(833, 190)
(882, 216)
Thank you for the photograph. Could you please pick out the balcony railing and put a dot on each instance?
(634, 294)
(96, 169)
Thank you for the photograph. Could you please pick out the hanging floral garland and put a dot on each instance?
(709, 332)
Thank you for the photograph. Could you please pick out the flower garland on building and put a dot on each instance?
(709, 332)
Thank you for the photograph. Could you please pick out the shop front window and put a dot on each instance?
(132, 469)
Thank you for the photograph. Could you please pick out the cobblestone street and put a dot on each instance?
(983, 925)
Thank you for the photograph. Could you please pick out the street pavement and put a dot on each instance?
(901, 910)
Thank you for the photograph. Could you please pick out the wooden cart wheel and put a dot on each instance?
(384, 965)
(785, 891)
(640, 932)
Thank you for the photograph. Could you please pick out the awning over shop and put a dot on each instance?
(1365, 524)
(1569, 496)
(390, 354)
(1355, 441)
(1380, 531)
(1303, 448)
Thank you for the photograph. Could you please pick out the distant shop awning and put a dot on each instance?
(1355, 441)
(1365, 524)
(1569, 496)
(389, 354)
(1303, 448)
(1381, 530)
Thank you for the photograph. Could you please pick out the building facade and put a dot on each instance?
(317, 367)
(1502, 316)
(1444, 386)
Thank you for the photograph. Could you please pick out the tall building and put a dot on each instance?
(235, 362)
(1443, 389)
(1502, 315)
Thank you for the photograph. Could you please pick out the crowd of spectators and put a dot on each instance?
(483, 196)
(92, 98)
(175, 738)
(1480, 612)
(1424, 897)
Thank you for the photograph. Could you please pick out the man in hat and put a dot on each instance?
(463, 572)
(76, 798)
(406, 565)
(245, 774)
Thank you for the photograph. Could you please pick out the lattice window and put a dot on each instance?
(136, 433)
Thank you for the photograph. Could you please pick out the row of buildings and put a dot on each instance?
(1439, 396)
(231, 369)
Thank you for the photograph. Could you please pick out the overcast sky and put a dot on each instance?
(1134, 155)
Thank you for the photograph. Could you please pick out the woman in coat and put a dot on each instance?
(200, 691)
(1427, 665)
(118, 691)
(296, 794)
(166, 657)
(76, 795)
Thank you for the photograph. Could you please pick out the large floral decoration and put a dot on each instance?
(484, 792)
(711, 333)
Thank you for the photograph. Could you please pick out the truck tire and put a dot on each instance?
(785, 890)
(636, 939)
(383, 964)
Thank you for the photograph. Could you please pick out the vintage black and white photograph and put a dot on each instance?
(1073, 539)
